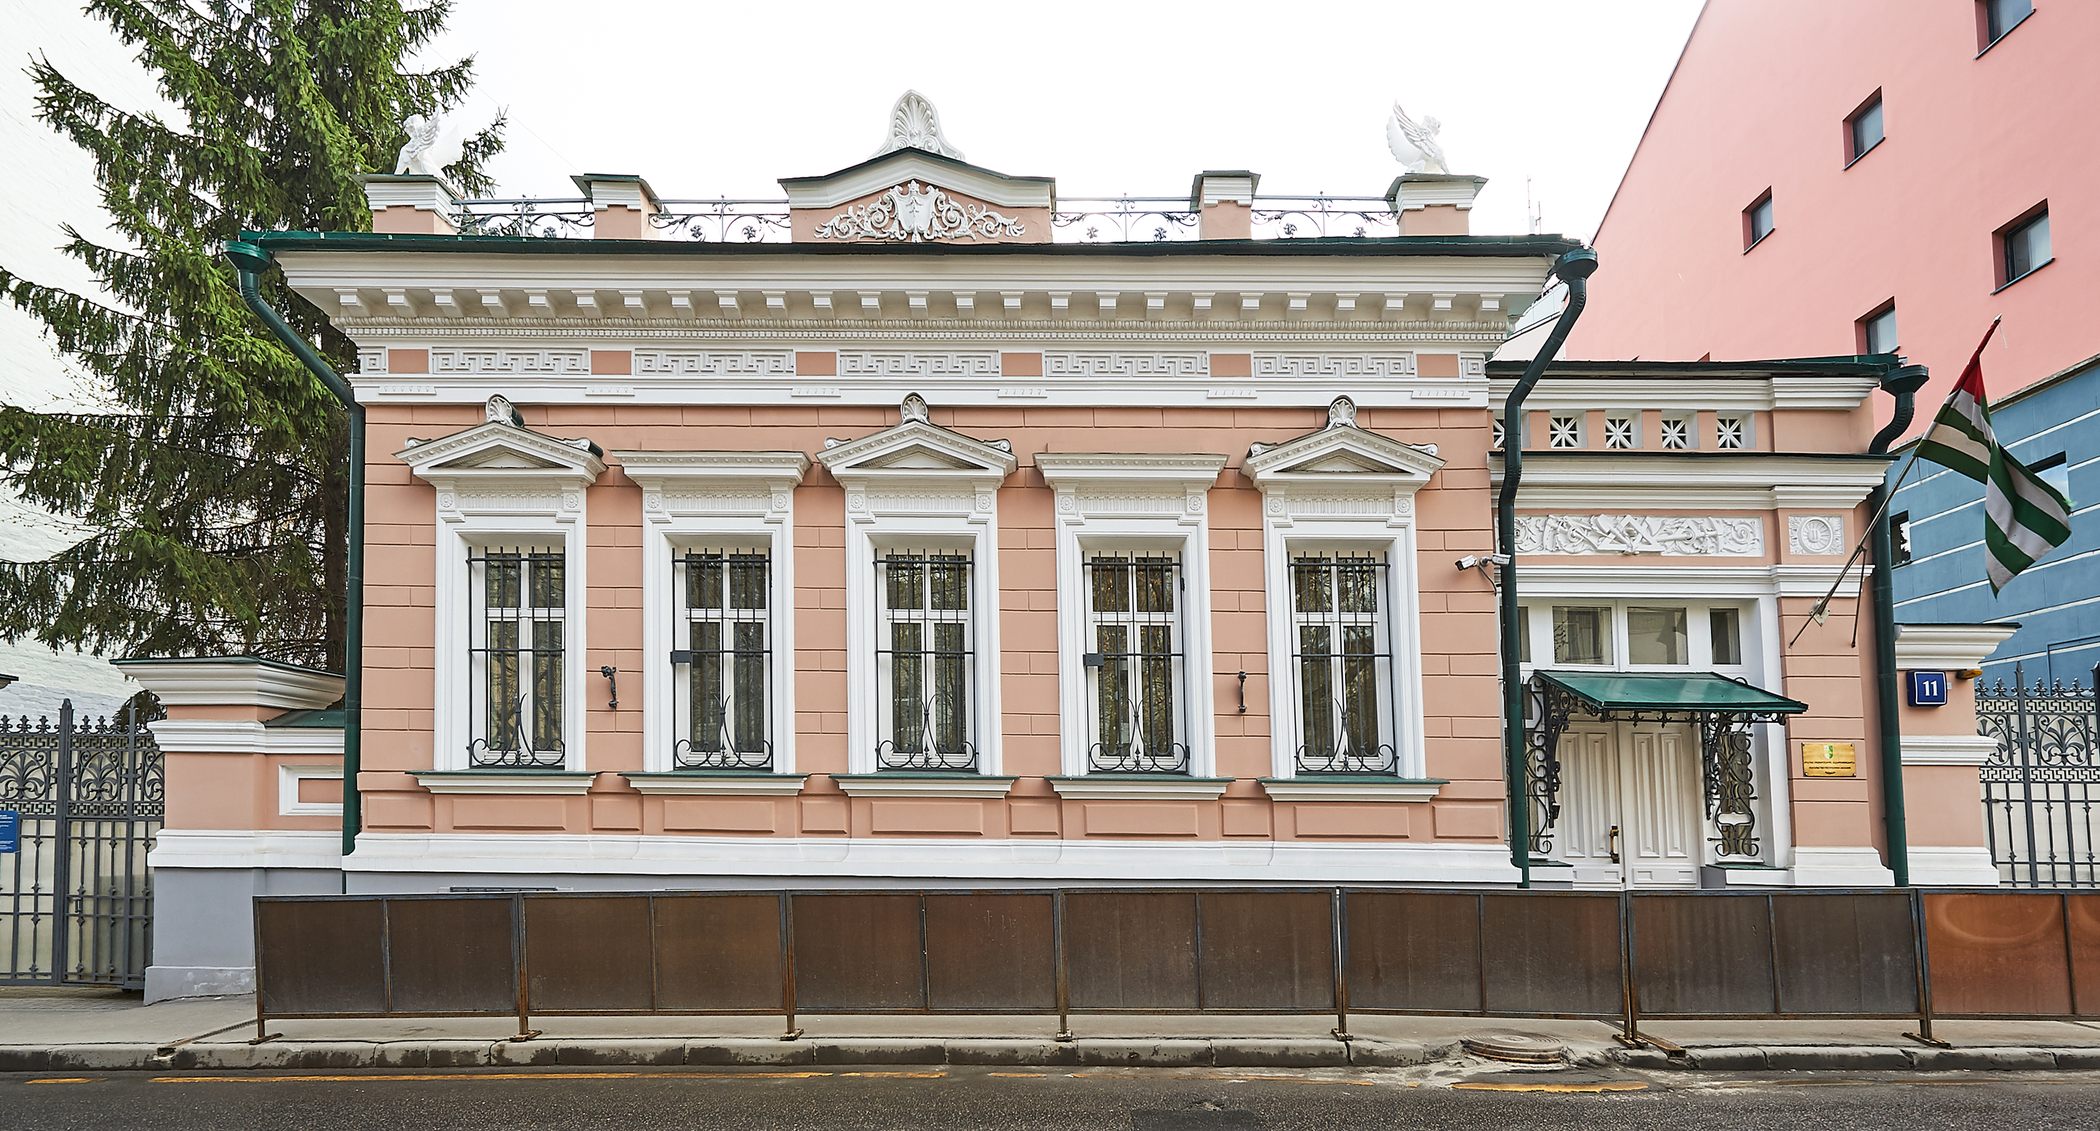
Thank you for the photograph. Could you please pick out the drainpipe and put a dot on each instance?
(250, 261)
(1574, 268)
(1903, 384)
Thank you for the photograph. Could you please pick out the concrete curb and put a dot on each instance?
(1222, 1052)
(1859, 1058)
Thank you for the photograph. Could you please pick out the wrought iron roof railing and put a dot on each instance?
(1077, 219)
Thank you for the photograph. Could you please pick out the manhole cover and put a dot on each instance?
(1516, 1049)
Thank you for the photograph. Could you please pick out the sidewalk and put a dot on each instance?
(65, 1030)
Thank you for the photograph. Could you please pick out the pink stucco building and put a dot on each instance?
(1813, 166)
(939, 540)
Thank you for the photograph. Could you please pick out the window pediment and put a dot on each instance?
(499, 449)
(1342, 454)
(915, 448)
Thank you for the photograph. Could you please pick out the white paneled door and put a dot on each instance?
(1630, 813)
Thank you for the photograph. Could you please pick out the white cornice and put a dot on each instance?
(1140, 789)
(901, 785)
(716, 784)
(246, 848)
(505, 783)
(242, 736)
(1708, 480)
(234, 682)
(1062, 469)
(1948, 749)
(1721, 390)
(1643, 577)
(1948, 647)
(662, 470)
(1315, 790)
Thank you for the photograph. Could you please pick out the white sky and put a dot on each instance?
(1109, 98)
(1137, 96)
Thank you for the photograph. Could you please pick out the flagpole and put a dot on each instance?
(1822, 606)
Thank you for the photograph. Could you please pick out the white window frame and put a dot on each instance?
(916, 485)
(715, 501)
(500, 485)
(1124, 503)
(1346, 488)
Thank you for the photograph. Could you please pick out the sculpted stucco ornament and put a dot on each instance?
(917, 214)
(914, 124)
(1414, 143)
(430, 148)
(1342, 413)
(499, 410)
(1635, 534)
(913, 410)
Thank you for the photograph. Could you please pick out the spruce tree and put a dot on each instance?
(211, 472)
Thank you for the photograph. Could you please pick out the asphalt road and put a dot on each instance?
(1090, 1100)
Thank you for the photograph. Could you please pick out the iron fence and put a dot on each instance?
(1614, 957)
(2041, 785)
(85, 797)
(1077, 219)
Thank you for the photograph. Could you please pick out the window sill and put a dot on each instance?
(1752, 245)
(2001, 35)
(1365, 788)
(1862, 154)
(508, 783)
(2027, 274)
(922, 785)
(716, 783)
(1139, 787)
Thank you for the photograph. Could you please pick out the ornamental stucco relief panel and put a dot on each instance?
(1816, 533)
(1638, 534)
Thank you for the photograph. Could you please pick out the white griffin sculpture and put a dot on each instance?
(430, 148)
(1414, 143)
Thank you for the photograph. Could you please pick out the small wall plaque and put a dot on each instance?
(1830, 759)
(1928, 689)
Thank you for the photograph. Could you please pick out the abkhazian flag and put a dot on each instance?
(2024, 517)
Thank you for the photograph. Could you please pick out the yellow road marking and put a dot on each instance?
(1018, 1075)
(1605, 1086)
(63, 1080)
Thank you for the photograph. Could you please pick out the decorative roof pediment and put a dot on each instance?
(1343, 453)
(916, 448)
(502, 448)
(917, 187)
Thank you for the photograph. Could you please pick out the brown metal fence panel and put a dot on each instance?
(1548, 953)
(2082, 922)
(1998, 955)
(318, 957)
(1266, 950)
(588, 954)
(719, 953)
(452, 954)
(991, 953)
(1413, 952)
(1703, 955)
(1845, 953)
(1131, 951)
(858, 953)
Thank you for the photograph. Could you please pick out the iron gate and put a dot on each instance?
(2040, 785)
(76, 897)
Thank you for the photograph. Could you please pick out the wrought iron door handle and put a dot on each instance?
(1611, 841)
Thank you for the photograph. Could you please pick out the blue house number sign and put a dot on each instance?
(10, 831)
(1928, 689)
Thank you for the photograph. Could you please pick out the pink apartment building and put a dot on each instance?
(922, 543)
(1863, 177)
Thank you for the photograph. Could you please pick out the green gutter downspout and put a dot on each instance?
(251, 261)
(1574, 268)
(1902, 383)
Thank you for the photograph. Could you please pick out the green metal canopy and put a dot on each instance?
(1606, 693)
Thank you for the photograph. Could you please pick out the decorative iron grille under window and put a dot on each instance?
(924, 653)
(1133, 610)
(517, 624)
(1344, 662)
(721, 680)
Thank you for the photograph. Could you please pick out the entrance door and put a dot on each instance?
(1631, 816)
